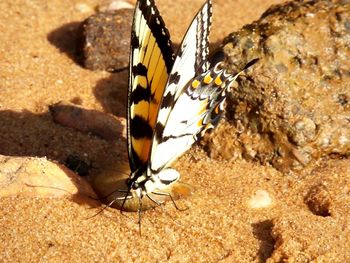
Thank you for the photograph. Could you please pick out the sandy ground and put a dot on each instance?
(308, 219)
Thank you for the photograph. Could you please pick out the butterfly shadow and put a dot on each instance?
(112, 91)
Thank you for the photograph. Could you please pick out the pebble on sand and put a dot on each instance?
(111, 5)
(260, 199)
(83, 8)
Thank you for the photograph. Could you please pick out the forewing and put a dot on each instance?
(192, 56)
(190, 60)
(151, 60)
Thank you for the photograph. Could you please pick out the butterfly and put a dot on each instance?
(172, 99)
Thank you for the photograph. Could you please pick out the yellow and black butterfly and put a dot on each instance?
(172, 100)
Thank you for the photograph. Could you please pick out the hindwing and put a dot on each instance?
(197, 109)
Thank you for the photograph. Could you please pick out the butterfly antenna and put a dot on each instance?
(50, 187)
(250, 63)
(160, 205)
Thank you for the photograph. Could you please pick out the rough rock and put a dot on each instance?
(106, 40)
(293, 106)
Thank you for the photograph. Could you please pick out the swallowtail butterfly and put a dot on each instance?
(172, 99)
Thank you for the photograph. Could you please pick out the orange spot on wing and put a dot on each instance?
(201, 111)
(195, 84)
(200, 122)
(217, 109)
(207, 79)
(218, 81)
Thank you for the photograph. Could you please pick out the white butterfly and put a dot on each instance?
(172, 100)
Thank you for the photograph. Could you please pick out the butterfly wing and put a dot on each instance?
(151, 59)
(191, 60)
(197, 109)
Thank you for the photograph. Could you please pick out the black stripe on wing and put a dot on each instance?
(151, 60)
(160, 32)
(188, 64)
(202, 49)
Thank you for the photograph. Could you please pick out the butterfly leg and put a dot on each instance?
(104, 208)
(153, 200)
(124, 199)
(160, 205)
(172, 200)
(140, 213)
(127, 196)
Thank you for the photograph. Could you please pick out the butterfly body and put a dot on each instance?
(142, 184)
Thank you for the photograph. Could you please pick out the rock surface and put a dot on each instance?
(106, 40)
(293, 107)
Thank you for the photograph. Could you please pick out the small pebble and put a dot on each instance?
(111, 5)
(261, 199)
(83, 8)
